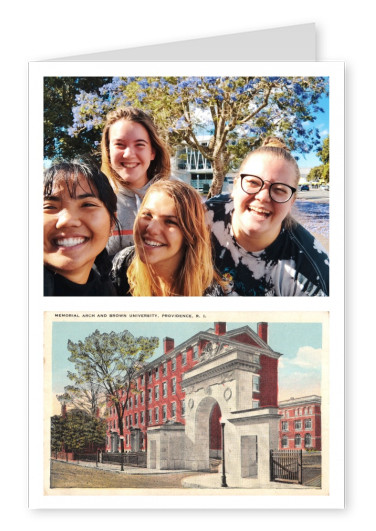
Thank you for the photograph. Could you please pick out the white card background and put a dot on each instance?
(333, 304)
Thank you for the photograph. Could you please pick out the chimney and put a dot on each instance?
(168, 344)
(262, 331)
(220, 328)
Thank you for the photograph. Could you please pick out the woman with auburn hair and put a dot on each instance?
(133, 157)
(172, 255)
(259, 248)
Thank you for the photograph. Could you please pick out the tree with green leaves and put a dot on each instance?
(321, 173)
(235, 112)
(77, 431)
(57, 433)
(59, 98)
(111, 362)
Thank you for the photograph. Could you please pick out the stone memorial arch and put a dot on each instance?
(223, 378)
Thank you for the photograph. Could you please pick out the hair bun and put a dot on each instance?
(273, 141)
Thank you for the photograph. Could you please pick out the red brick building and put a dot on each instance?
(160, 398)
(300, 424)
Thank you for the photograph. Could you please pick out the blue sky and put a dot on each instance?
(300, 344)
(322, 123)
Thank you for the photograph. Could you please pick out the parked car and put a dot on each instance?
(304, 188)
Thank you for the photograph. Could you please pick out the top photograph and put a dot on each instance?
(186, 186)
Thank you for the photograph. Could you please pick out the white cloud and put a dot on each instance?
(308, 358)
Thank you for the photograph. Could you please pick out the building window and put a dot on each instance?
(287, 413)
(310, 411)
(307, 440)
(255, 404)
(135, 419)
(284, 442)
(285, 426)
(164, 413)
(165, 368)
(296, 412)
(143, 379)
(173, 409)
(126, 421)
(150, 416)
(156, 373)
(298, 424)
(156, 392)
(173, 386)
(183, 408)
(130, 403)
(149, 394)
(195, 352)
(142, 417)
(135, 401)
(164, 389)
(127, 440)
(184, 358)
(156, 414)
(142, 397)
(130, 420)
(256, 383)
(149, 374)
(298, 440)
(173, 364)
(308, 424)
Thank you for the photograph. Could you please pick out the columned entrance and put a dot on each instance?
(219, 389)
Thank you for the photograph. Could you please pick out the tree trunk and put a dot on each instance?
(220, 167)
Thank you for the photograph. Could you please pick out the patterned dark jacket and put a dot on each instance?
(295, 264)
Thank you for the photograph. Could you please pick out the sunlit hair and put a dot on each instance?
(276, 148)
(159, 168)
(69, 173)
(196, 272)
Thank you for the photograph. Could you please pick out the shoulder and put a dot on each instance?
(311, 256)
(123, 257)
(218, 200)
(220, 208)
(48, 282)
(120, 265)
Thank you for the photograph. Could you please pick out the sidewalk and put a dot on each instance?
(115, 467)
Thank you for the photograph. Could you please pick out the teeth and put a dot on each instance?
(130, 165)
(153, 244)
(70, 242)
(260, 211)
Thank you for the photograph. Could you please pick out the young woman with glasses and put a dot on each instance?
(260, 249)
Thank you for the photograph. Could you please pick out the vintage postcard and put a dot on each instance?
(182, 404)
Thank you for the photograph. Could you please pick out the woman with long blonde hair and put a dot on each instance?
(172, 255)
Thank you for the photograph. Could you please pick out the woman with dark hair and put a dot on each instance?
(172, 255)
(133, 157)
(260, 249)
(79, 214)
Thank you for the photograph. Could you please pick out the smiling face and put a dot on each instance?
(130, 152)
(158, 236)
(257, 220)
(76, 230)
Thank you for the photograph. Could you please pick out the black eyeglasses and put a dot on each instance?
(279, 192)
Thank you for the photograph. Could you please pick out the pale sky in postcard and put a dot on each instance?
(299, 343)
